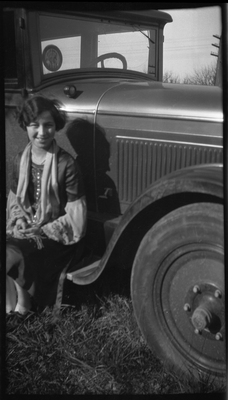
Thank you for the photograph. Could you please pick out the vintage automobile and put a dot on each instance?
(151, 156)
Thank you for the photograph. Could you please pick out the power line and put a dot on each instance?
(199, 38)
(189, 48)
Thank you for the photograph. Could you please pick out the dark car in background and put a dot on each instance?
(151, 156)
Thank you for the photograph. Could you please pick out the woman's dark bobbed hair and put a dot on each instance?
(34, 106)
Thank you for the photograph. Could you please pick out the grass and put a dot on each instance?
(91, 348)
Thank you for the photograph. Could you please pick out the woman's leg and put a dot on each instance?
(11, 295)
(23, 300)
(14, 256)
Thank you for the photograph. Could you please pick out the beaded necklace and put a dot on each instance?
(35, 186)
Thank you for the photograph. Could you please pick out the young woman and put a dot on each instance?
(46, 209)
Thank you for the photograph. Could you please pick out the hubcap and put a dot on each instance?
(201, 318)
(206, 309)
(191, 282)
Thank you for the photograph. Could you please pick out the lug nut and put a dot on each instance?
(218, 336)
(196, 289)
(218, 294)
(187, 307)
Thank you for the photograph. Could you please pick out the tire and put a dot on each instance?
(177, 289)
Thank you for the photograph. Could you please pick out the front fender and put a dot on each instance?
(205, 179)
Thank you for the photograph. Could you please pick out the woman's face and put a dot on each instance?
(41, 132)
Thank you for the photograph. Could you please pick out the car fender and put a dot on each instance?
(204, 179)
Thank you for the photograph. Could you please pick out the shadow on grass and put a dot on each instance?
(115, 281)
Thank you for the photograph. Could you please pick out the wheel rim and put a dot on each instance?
(189, 302)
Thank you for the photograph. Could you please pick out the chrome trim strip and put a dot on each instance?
(162, 116)
(177, 133)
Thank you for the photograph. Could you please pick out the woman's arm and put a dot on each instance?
(71, 227)
(14, 213)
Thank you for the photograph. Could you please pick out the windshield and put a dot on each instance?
(71, 43)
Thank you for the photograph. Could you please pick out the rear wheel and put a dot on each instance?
(177, 288)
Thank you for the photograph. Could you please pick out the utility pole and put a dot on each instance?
(215, 45)
(218, 77)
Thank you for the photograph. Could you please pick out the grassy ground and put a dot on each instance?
(94, 347)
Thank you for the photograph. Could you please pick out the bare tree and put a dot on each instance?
(169, 77)
(203, 76)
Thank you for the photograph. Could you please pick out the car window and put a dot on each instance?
(133, 45)
(73, 43)
(60, 54)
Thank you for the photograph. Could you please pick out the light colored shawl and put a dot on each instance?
(48, 208)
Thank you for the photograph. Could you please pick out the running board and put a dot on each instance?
(83, 275)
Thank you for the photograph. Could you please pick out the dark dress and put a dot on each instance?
(43, 266)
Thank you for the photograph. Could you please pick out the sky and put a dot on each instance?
(188, 40)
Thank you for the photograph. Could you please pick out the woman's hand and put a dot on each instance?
(21, 223)
(31, 231)
(23, 229)
(19, 228)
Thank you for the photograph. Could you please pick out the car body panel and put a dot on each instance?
(164, 100)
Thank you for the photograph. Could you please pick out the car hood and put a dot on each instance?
(141, 98)
(165, 100)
